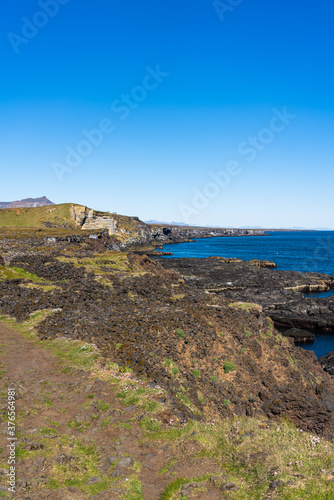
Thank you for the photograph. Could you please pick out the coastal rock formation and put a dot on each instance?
(162, 234)
(280, 293)
(299, 336)
(327, 362)
(129, 231)
(311, 313)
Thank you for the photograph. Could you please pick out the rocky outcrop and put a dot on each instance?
(2, 262)
(280, 293)
(300, 336)
(327, 363)
(263, 263)
(129, 230)
(133, 231)
(162, 234)
(311, 313)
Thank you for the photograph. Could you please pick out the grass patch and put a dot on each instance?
(246, 306)
(180, 333)
(15, 273)
(247, 332)
(229, 366)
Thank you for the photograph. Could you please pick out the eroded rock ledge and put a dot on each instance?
(280, 293)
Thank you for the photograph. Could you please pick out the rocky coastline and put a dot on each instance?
(279, 293)
(192, 326)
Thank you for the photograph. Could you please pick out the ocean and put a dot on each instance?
(311, 251)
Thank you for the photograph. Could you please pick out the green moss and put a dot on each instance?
(229, 366)
(247, 332)
(14, 273)
(102, 406)
(180, 333)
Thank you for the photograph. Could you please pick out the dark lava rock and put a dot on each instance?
(64, 459)
(2, 262)
(300, 336)
(109, 461)
(280, 293)
(186, 488)
(93, 480)
(303, 313)
(229, 487)
(275, 484)
(125, 462)
(327, 362)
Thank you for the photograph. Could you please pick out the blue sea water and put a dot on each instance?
(311, 251)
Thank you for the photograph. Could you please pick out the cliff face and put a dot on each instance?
(28, 202)
(130, 230)
(127, 230)
(134, 231)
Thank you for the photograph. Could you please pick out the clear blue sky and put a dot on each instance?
(204, 84)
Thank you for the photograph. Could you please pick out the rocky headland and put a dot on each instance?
(279, 293)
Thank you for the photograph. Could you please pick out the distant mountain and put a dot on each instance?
(28, 202)
(173, 223)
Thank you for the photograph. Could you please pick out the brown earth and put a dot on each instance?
(38, 376)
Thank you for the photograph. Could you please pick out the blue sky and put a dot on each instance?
(181, 93)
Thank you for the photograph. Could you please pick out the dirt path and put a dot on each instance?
(75, 440)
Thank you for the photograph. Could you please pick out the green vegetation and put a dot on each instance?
(246, 306)
(274, 450)
(15, 273)
(58, 215)
(229, 366)
(196, 373)
(180, 333)
(278, 451)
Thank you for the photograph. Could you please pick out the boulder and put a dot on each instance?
(300, 336)
(327, 362)
(2, 262)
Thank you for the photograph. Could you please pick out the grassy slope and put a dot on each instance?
(252, 452)
(37, 216)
